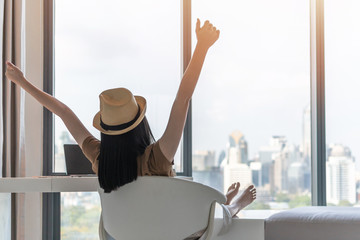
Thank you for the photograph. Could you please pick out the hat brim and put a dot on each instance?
(142, 105)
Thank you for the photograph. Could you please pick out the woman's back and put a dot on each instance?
(151, 163)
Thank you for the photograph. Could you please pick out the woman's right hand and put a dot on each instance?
(13, 73)
(207, 34)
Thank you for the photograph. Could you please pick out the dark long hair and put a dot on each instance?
(118, 156)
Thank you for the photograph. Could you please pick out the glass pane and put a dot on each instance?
(251, 113)
(101, 45)
(80, 215)
(5, 216)
(342, 50)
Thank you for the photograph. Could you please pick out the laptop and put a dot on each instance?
(76, 162)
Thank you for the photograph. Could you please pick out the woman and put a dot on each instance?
(127, 148)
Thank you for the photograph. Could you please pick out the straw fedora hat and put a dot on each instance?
(120, 111)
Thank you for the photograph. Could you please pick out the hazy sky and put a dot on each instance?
(256, 78)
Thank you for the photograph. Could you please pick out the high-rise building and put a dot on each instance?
(238, 148)
(256, 172)
(297, 174)
(221, 158)
(276, 144)
(306, 142)
(237, 172)
(340, 175)
(279, 172)
(236, 168)
(289, 156)
(267, 156)
(203, 160)
(305, 179)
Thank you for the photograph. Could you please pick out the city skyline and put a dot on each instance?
(283, 167)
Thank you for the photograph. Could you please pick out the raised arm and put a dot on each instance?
(206, 37)
(72, 122)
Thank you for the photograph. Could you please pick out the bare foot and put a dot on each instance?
(247, 197)
(232, 192)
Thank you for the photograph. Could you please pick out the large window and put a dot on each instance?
(251, 110)
(342, 51)
(110, 44)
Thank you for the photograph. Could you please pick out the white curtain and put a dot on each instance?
(12, 139)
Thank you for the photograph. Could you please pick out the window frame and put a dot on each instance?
(51, 201)
(317, 83)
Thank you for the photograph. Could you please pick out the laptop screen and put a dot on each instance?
(76, 162)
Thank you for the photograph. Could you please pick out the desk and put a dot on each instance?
(49, 184)
(52, 184)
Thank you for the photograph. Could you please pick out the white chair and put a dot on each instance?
(156, 208)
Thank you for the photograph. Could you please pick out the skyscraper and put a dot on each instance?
(279, 172)
(236, 168)
(256, 172)
(306, 142)
(340, 175)
(238, 172)
(296, 175)
(276, 144)
(203, 160)
(306, 152)
(267, 156)
(238, 148)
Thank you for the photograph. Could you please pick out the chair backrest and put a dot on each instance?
(157, 208)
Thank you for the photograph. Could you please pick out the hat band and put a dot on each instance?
(121, 126)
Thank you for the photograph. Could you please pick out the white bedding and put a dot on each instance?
(314, 223)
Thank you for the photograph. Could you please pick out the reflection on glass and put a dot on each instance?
(101, 45)
(251, 113)
(342, 50)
